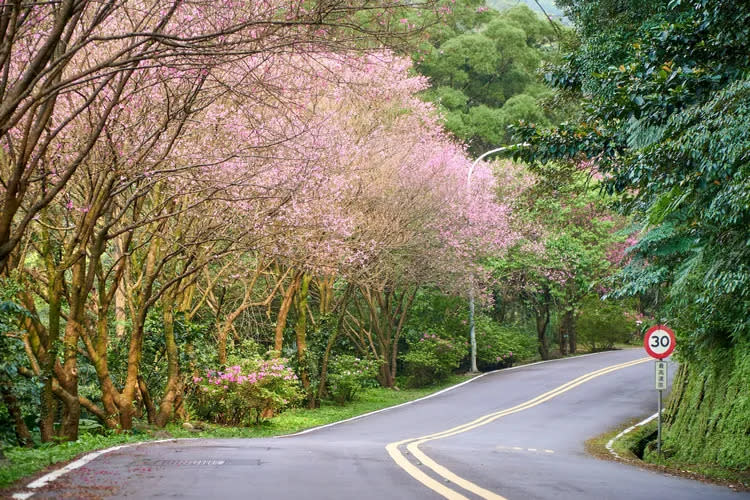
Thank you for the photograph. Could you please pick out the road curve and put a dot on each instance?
(513, 434)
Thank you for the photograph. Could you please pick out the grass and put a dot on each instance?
(638, 447)
(24, 462)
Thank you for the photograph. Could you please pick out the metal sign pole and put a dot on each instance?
(659, 342)
(658, 431)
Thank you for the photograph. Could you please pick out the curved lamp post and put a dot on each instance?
(472, 332)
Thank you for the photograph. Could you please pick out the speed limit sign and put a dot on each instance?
(659, 341)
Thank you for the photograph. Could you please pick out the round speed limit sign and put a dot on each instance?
(659, 341)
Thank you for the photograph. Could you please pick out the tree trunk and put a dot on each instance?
(48, 346)
(148, 402)
(325, 288)
(48, 402)
(542, 321)
(166, 408)
(286, 304)
(120, 297)
(385, 376)
(565, 331)
(572, 340)
(300, 330)
(69, 381)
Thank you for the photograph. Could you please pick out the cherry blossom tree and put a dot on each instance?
(60, 59)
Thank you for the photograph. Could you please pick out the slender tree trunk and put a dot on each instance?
(565, 331)
(572, 340)
(69, 381)
(341, 306)
(148, 402)
(48, 401)
(173, 387)
(542, 321)
(121, 316)
(407, 298)
(48, 356)
(300, 330)
(221, 348)
(286, 304)
(325, 288)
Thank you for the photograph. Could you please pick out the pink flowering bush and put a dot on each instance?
(244, 395)
(432, 358)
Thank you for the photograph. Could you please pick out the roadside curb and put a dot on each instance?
(30, 489)
(76, 464)
(610, 444)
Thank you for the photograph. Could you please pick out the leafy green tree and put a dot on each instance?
(482, 67)
(669, 109)
(16, 393)
(571, 243)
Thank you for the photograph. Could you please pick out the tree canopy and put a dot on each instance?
(482, 69)
(667, 92)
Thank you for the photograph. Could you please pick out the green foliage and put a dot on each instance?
(12, 357)
(668, 112)
(571, 243)
(603, 323)
(246, 393)
(431, 359)
(547, 6)
(499, 346)
(435, 311)
(483, 72)
(348, 375)
(670, 105)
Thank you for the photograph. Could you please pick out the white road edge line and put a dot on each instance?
(320, 427)
(611, 442)
(48, 478)
(55, 474)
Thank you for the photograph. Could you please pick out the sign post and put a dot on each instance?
(659, 343)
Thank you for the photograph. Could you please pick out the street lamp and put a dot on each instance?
(472, 332)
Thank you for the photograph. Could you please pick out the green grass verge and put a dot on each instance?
(23, 462)
(638, 447)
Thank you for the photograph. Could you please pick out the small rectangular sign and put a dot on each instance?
(661, 375)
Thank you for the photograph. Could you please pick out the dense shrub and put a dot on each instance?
(431, 359)
(244, 394)
(499, 346)
(348, 375)
(603, 323)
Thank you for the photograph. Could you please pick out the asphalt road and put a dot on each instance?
(514, 434)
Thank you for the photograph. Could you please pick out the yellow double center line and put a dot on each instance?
(413, 444)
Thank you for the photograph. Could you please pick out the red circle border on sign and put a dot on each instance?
(666, 353)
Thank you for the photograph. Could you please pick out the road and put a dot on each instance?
(513, 434)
